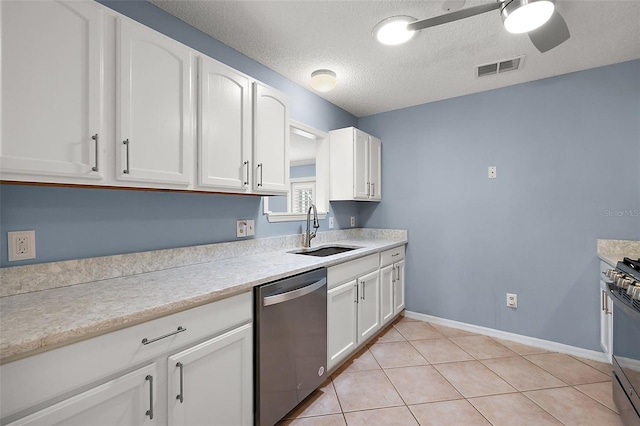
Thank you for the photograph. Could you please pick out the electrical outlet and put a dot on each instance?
(512, 300)
(22, 245)
(331, 222)
(241, 228)
(250, 228)
(353, 221)
(493, 172)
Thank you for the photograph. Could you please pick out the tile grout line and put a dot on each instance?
(393, 324)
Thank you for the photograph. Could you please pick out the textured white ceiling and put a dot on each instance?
(296, 37)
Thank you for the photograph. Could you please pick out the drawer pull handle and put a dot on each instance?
(395, 254)
(150, 410)
(146, 341)
(180, 396)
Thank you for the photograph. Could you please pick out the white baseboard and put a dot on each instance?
(518, 338)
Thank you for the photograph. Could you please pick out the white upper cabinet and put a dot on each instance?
(224, 127)
(361, 185)
(52, 60)
(355, 165)
(154, 108)
(375, 168)
(92, 97)
(270, 141)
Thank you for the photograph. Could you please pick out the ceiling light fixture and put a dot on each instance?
(393, 31)
(323, 80)
(522, 16)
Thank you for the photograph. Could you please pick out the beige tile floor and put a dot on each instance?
(416, 373)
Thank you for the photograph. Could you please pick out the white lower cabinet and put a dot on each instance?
(191, 368)
(342, 336)
(606, 316)
(126, 400)
(211, 383)
(368, 305)
(386, 293)
(353, 306)
(392, 283)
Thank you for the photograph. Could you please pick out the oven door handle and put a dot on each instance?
(294, 294)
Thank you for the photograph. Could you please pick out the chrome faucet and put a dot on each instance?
(309, 235)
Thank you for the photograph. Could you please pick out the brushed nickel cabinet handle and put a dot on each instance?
(373, 189)
(180, 396)
(260, 167)
(95, 139)
(150, 410)
(126, 143)
(146, 341)
(246, 163)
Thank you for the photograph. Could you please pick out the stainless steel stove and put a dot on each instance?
(624, 289)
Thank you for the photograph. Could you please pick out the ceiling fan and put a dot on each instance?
(539, 18)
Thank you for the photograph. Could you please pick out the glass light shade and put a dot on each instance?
(323, 80)
(522, 16)
(393, 31)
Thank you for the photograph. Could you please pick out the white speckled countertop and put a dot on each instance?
(613, 251)
(41, 320)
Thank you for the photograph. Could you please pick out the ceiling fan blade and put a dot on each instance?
(453, 16)
(553, 33)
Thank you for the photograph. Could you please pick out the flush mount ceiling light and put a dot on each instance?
(393, 31)
(323, 80)
(518, 16)
(522, 16)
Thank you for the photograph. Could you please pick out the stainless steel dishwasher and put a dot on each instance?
(290, 341)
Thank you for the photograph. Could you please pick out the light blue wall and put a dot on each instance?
(72, 223)
(302, 171)
(566, 150)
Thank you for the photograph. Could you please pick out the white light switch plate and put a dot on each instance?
(493, 172)
(250, 228)
(331, 222)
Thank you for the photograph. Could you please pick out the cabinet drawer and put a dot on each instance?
(348, 271)
(390, 256)
(39, 378)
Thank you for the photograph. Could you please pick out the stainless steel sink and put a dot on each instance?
(324, 250)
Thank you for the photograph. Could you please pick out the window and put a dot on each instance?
(302, 194)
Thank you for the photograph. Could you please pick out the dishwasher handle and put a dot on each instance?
(294, 294)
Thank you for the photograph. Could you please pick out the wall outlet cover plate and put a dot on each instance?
(21, 245)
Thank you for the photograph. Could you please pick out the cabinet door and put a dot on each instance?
(375, 168)
(398, 288)
(368, 305)
(387, 275)
(361, 182)
(212, 383)
(224, 139)
(51, 91)
(341, 322)
(270, 141)
(154, 108)
(125, 401)
(606, 321)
